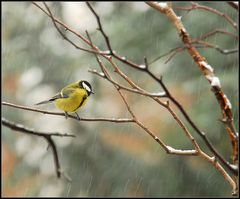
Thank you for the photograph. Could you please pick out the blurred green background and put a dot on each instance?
(108, 159)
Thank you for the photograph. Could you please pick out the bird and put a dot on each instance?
(71, 97)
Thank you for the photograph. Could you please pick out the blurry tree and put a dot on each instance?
(135, 47)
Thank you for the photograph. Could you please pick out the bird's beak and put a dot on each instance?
(92, 92)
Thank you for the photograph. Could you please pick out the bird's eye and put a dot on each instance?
(80, 84)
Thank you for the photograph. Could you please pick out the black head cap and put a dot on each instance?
(87, 86)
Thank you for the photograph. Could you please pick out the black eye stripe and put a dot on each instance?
(86, 85)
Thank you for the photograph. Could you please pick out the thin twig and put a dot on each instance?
(145, 69)
(100, 27)
(143, 92)
(120, 120)
(54, 20)
(45, 135)
(195, 5)
(159, 80)
(112, 52)
(106, 75)
(234, 4)
(124, 60)
(226, 176)
(203, 44)
(208, 72)
(217, 31)
(209, 45)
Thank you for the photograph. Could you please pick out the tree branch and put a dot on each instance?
(203, 65)
(195, 5)
(234, 4)
(207, 70)
(46, 135)
(120, 120)
(106, 75)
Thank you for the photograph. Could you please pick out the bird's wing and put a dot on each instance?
(60, 95)
(65, 93)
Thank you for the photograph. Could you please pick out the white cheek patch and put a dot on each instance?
(86, 87)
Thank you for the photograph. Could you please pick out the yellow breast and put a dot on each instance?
(75, 100)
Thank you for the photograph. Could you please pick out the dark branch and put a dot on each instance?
(100, 28)
(120, 120)
(54, 20)
(47, 136)
(195, 5)
(234, 4)
(167, 92)
(112, 52)
(217, 31)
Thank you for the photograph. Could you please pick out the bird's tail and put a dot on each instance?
(44, 102)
